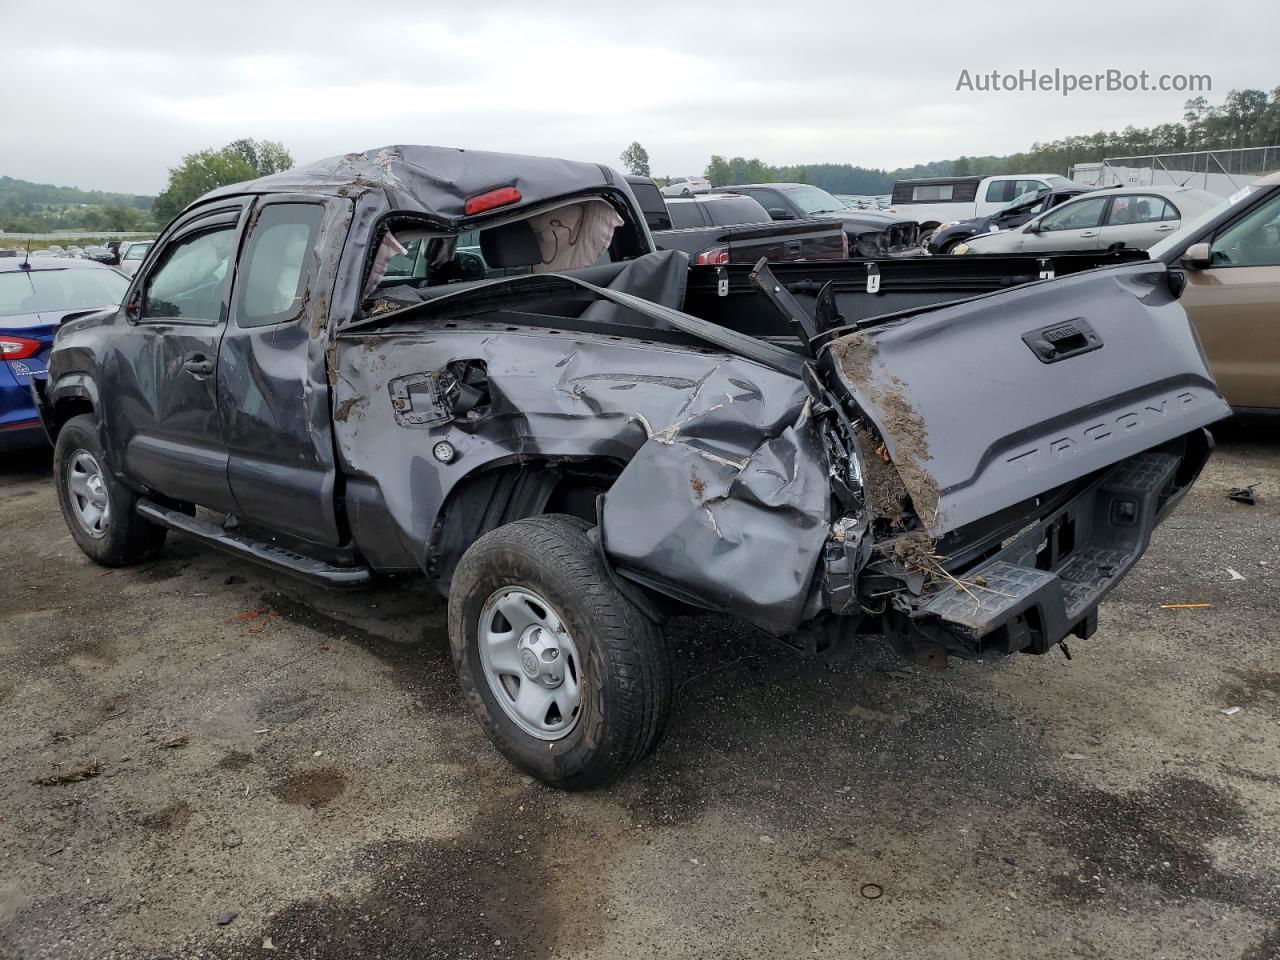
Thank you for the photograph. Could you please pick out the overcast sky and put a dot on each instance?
(109, 95)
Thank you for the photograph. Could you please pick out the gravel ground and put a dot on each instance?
(300, 765)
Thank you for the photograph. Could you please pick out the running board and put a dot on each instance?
(267, 554)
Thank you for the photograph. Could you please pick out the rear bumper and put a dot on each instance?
(1045, 583)
(20, 426)
(22, 435)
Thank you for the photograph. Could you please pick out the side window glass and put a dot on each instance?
(1140, 209)
(1251, 242)
(1001, 191)
(275, 263)
(190, 279)
(1075, 216)
(934, 191)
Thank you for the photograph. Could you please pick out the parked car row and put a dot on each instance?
(111, 253)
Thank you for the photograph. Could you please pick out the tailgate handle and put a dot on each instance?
(1062, 340)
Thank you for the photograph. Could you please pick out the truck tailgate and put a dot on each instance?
(988, 402)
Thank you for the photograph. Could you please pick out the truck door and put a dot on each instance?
(161, 373)
(1002, 191)
(273, 394)
(1233, 307)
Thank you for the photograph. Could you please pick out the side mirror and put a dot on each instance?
(133, 309)
(1032, 227)
(1197, 257)
(778, 213)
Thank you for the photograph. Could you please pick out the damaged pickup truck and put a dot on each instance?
(575, 436)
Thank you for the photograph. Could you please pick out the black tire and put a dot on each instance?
(949, 247)
(126, 537)
(626, 672)
(686, 192)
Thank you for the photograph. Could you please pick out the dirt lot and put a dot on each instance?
(302, 760)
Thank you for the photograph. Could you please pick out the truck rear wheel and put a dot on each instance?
(570, 680)
(98, 508)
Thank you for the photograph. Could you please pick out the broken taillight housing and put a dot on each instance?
(494, 198)
(713, 256)
(18, 348)
(844, 245)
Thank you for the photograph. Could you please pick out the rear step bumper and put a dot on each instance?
(267, 554)
(1046, 582)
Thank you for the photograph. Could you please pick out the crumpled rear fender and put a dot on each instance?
(722, 499)
(736, 526)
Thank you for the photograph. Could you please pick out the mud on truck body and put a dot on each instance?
(475, 366)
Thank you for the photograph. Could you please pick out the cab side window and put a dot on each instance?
(1251, 242)
(190, 279)
(276, 261)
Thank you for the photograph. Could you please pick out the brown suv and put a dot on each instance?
(1231, 260)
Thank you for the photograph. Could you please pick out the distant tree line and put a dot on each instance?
(40, 208)
(1245, 118)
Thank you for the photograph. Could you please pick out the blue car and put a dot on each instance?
(36, 295)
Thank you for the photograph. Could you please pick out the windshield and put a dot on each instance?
(54, 291)
(813, 200)
(1057, 181)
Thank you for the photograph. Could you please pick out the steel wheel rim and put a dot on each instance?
(87, 491)
(530, 662)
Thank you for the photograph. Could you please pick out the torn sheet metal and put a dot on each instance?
(727, 509)
(723, 488)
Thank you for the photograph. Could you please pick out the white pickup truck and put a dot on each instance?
(934, 201)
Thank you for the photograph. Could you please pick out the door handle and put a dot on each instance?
(1164, 228)
(1089, 233)
(198, 365)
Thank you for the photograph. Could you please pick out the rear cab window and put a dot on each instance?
(686, 213)
(732, 210)
(275, 265)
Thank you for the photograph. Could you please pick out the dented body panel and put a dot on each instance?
(721, 496)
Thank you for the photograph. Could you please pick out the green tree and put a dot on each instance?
(636, 159)
(209, 169)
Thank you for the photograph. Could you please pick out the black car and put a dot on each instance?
(872, 233)
(950, 235)
(101, 255)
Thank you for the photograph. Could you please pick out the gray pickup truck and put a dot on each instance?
(583, 446)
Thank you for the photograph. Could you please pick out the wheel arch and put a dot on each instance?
(502, 492)
(70, 397)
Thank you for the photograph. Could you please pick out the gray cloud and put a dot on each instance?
(111, 95)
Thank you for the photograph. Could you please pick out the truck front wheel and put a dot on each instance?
(570, 680)
(98, 508)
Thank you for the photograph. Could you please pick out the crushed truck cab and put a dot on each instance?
(477, 366)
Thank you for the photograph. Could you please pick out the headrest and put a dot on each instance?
(510, 245)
